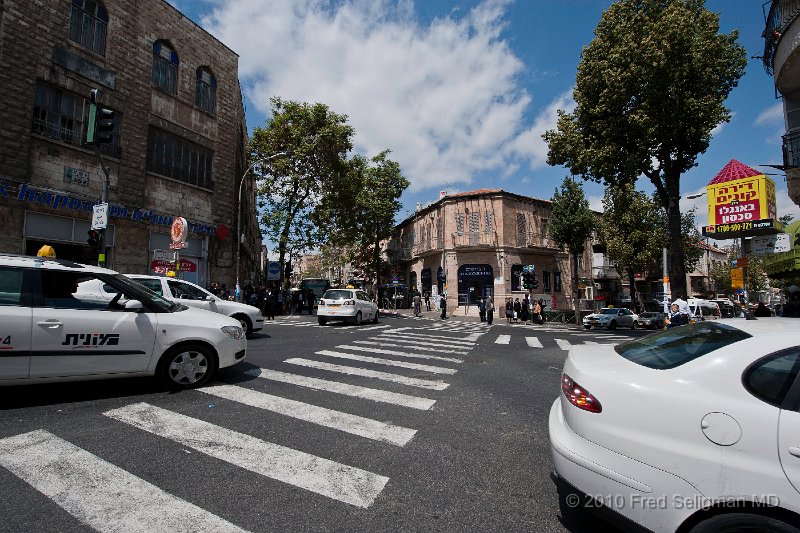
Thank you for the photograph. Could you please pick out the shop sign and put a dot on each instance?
(162, 267)
(737, 278)
(178, 232)
(770, 244)
(742, 200)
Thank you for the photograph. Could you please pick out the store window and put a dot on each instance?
(165, 68)
(88, 24)
(206, 91)
(178, 158)
(557, 281)
(474, 282)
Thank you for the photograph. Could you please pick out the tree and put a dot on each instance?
(571, 225)
(649, 90)
(371, 194)
(315, 142)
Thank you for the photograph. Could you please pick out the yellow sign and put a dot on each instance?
(742, 200)
(737, 278)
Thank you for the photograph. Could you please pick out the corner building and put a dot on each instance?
(475, 244)
(178, 147)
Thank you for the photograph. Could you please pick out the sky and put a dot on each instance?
(461, 91)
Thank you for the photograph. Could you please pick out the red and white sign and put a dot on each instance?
(161, 267)
(178, 232)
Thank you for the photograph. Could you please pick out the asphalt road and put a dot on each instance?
(297, 440)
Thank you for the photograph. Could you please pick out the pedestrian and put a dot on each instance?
(792, 306)
(311, 299)
(537, 313)
(524, 313)
(762, 310)
(517, 310)
(443, 305)
(417, 301)
(279, 300)
(427, 301)
(676, 317)
(269, 305)
(489, 310)
(482, 309)
(214, 288)
(509, 310)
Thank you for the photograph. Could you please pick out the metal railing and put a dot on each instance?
(535, 240)
(781, 14)
(74, 136)
(791, 149)
(481, 238)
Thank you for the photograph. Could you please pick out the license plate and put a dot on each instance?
(334, 305)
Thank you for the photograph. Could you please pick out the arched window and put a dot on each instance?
(88, 22)
(165, 67)
(206, 91)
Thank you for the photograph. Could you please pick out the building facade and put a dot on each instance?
(476, 244)
(178, 147)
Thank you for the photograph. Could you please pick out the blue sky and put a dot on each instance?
(461, 90)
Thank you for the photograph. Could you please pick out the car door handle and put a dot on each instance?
(50, 324)
(794, 450)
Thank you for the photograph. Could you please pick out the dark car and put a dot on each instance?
(651, 320)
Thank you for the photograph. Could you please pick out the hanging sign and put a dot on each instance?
(178, 232)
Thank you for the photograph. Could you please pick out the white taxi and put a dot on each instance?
(189, 294)
(350, 305)
(51, 331)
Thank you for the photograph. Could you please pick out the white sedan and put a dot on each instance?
(611, 318)
(350, 305)
(693, 428)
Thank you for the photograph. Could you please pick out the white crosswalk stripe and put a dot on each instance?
(90, 488)
(564, 344)
(376, 395)
(503, 339)
(388, 362)
(455, 343)
(356, 425)
(409, 345)
(363, 372)
(412, 333)
(399, 353)
(316, 474)
(534, 342)
(370, 328)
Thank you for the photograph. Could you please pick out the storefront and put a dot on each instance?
(474, 282)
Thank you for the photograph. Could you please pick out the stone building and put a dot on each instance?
(178, 147)
(477, 243)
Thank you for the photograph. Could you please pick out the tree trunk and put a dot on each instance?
(632, 281)
(677, 276)
(575, 299)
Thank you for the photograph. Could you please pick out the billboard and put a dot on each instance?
(743, 200)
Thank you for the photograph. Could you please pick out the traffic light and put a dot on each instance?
(534, 283)
(287, 273)
(100, 126)
(94, 238)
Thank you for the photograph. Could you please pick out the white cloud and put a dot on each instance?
(529, 144)
(771, 115)
(444, 97)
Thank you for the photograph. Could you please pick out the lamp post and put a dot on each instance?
(239, 215)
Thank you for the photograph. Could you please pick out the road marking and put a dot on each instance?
(316, 474)
(503, 339)
(389, 362)
(563, 344)
(534, 342)
(455, 343)
(370, 328)
(376, 395)
(400, 354)
(397, 332)
(408, 346)
(366, 373)
(101, 495)
(356, 425)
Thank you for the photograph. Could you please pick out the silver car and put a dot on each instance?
(350, 305)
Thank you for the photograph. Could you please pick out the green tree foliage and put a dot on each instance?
(361, 212)
(649, 90)
(315, 142)
(571, 225)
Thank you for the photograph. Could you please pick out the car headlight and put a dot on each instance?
(234, 332)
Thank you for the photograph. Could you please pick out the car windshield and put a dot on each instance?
(613, 311)
(337, 295)
(133, 290)
(673, 347)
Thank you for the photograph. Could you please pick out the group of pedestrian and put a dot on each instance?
(486, 309)
(516, 311)
(221, 291)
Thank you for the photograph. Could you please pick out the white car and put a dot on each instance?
(350, 305)
(51, 331)
(611, 318)
(192, 295)
(693, 428)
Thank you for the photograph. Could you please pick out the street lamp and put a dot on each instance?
(239, 214)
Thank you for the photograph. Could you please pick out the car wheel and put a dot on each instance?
(634, 324)
(186, 367)
(375, 318)
(322, 321)
(247, 327)
(743, 522)
(587, 327)
(613, 325)
(357, 319)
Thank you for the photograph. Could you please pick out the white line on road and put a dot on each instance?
(503, 339)
(563, 344)
(366, 373)
(534, 342)
(376, 395)
(389, 362)
(410, 346)
(400, 354)
(356, 425)
(455, 343)
(316, 474)
(397, 332)
(101, 495)
(370, 328)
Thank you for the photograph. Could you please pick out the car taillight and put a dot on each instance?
(322, 303)
(578, 396)
(349, 302)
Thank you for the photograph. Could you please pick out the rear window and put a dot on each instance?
(673, 347)
(337, 295)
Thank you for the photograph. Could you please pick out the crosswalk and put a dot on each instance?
(566, 344)
(106, 497)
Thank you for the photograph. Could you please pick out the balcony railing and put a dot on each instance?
(474, 239)
(428, 245)
(791, 149)
(781, 14)
(535, 240)
(66, 133)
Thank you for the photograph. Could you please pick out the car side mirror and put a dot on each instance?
(134, 306)
(209, 298)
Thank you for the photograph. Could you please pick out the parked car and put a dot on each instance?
(688, 429)
(350, 305)
(727, 308)
(611, 318)
(191, 295)
(51, 330)
(650, 320)
(703, 309)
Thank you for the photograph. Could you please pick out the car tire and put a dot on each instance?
(357, 319)
(186, 367)
(247, 326)
(613, 325)
(587, 327)
(743, 522)
(634, 324)
(375, 318)
(322, 321)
